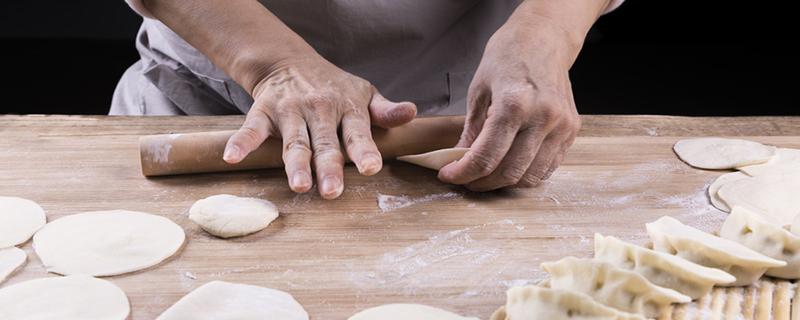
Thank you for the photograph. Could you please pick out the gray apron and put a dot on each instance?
(424, 51)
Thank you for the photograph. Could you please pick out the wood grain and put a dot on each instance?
(448, 248)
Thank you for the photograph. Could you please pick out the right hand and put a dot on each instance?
(304, 100)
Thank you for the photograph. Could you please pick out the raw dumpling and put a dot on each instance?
(228, 216)
(773, 194)
(785, 159)
(406, 311)
(660, 268)
(717, 184)
(753, 231)
(671, 236)
(537, 303)
(220, 300)
(435, 159)
(719, 153)
(610, 285)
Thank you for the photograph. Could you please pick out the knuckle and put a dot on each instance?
(511, 176)
(353, 137)
(529, 181)
(514, 104)
(296, 144)
(482, 164)
(320, 100)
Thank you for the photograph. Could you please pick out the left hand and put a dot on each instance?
(521, 115)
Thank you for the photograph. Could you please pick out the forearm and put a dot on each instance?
(239, 36)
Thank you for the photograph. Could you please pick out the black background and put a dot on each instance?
(648, 57)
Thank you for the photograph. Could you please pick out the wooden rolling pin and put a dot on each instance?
(199, 152)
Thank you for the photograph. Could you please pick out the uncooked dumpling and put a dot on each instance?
(219, 300)
(403, 311)
(755, 232)
(537, 303)
(435, 159)
(19, 220)
(106, 243)
(77, 297)
(775, 194)
(785, 159)
(717, 184)
(660, 268)
(11, 259)
(610, 285)
(719, 153)
(671, 236)
(227, 216)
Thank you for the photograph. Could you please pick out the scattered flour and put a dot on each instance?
(389, 203)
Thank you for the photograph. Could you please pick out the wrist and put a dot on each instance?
(252, 65)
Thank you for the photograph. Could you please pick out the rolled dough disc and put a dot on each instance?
(402, 311)
(19, 220)
(435, 159)
(714, 188)
(11, 260)
(227, 216)
(719, 153)
(77, 297)
(775, 195)
(107, 243)
(218, 300)
(784, 159)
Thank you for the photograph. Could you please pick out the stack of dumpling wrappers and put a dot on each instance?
(744, 272)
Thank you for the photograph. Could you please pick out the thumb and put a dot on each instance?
(388, 114)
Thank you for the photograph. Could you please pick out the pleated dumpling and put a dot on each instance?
(610, 285)
(671, 236)
(753, 231)
(660, 268)
(537, 303)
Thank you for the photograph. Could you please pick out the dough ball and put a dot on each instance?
(11, 259)
(435, 159)
(219, 300)
(719, 153)
(402, 311)
(77, 297)
(19, 220)
(107, 243)
(228, 216)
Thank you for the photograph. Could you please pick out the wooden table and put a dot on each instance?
(447, 247)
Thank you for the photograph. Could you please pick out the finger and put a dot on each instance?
(542, 166)
(488, 150)
(328, 159)
(358, 142)
(478, 100)
(296, 152)
(516, 162)
(256, 128)
(387, 114)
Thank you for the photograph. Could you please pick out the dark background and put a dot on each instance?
(648, 57)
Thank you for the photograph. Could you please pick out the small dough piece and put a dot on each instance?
(404, 311)
(435, 159)
(660, 268)
(107, 243)
(612, 286)
(77, 297)
(720, 153)
(755, 232)
(775, 194)
(219, 300)
(785, 159)
(19, 220)
(717, 184)
(11, 260)
(228, 216)
(671, 236)
(537, 303)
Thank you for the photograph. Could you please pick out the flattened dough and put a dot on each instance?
(720, 153)
(11, 260)
(107, 243)
(228, 216)
(404, 311)
(77, 297)
(435, 159)
(774, 194)
(219, 300)
(19, 220)
(717, 184)
(785, 159)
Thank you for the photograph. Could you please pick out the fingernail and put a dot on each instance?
(301, 182)
(331, 187)
(231, 153)
(370, 166)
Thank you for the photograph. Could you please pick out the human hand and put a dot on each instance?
(304, 100)
(521, 115)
